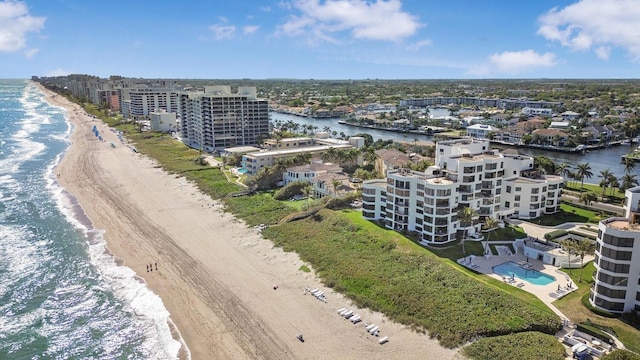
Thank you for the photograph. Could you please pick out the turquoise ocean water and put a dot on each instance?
(61, 295)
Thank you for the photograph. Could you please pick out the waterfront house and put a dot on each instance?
(570, 115)
(543, 112)
(553, 137)
(389, 159)
(331, 184)
(309, 172)
(531, 124)
(480, 131)
(503, 119)
(512, 135)
(561, 125)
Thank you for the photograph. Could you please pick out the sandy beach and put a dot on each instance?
(215, 275)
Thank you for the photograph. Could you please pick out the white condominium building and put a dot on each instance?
(467, 173)
(218, 119)
(616, 285)
(139, 102)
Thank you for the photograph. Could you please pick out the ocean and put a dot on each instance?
(62, 295)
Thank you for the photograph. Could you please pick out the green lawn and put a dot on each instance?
(567, 213)
(615, 197)
(571, 305)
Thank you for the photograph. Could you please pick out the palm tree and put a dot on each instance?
(605, 182)
(307, 191)
(629, 164)
(568, 246)
(584, 171)
(466, 215)
(582, 248)
(563, 170)
(489, 224)
(628, 181)
(335, 184)
(613, 183)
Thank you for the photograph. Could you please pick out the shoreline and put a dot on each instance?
(215, 275)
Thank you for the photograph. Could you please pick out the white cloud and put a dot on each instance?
(222, 32)
(31, 53)
(518, 61)
(419, 45)
(514, 62)
(595, 24)
(370, 20)
(15, 23)
(58, 72)
(603, 52)
(250, 29)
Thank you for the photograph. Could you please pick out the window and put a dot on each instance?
(507, 204)
(508, 189)
(613, 280)
(516, 205)
(615, 254)
(610, 293)
(518, 189)
(517, 198)
(613, 267)
(616, 241)
(609, 305)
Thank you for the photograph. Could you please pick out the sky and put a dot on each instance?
(321, 39)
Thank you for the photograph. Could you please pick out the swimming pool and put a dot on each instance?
(535, 277)
(242, 170)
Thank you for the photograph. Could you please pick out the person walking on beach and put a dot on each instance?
(151, 266)
(147, 268)
(156, 266)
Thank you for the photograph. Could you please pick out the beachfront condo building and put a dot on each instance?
(216, 118)
(616, 285)
(466, 173)
(137, 103)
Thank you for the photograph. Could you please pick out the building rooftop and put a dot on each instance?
(622, 224)
(477, 157)
(438, 179)
(283, 152)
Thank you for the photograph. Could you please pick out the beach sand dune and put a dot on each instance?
(216, 275)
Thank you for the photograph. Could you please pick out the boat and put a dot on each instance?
(625, 142)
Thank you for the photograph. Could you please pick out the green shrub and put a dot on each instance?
(621, 355)
(593, 331)
(555, 234)
(521, 346)
(289, 190)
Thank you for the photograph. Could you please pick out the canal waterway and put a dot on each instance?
(599, 160)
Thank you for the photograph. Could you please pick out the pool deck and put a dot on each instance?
(547, 293)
